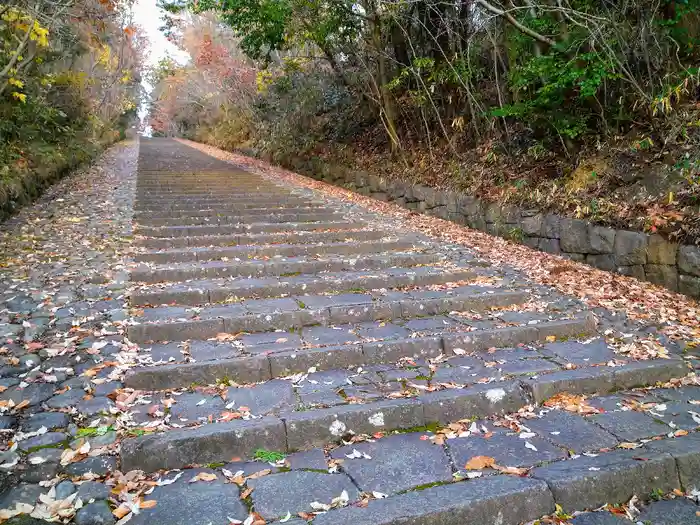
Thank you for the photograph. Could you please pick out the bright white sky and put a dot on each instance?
(149, 17)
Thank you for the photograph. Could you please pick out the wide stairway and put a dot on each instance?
(284, 338)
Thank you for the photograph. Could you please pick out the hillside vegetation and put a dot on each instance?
(589, 108)
(69, 84)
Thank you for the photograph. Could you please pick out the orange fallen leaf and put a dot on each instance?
(22, 404)
(230, 416)
(204, 476)
(480, 462)
(516, 471)
(149, 504)
(121, 511)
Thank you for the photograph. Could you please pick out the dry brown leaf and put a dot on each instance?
(121, 511)
(480, 462)
(247, 492)
(628, 446)
(516, 471)
(204, 476)
(259, 474)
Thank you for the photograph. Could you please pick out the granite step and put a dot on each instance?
(287, 237)
(210, 211)
(317, 409)
(270, 217)
(179, 323)
(225, 290)
(255, 227)
(274, 250)
(183, 271)
(258, 357)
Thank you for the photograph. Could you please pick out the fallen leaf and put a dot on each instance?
(480, 462)
(204, 476)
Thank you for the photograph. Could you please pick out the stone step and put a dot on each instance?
(274, 250)
(257, 227)
(287, 237)
(270, 217)
(180, 200)
(224, 290)
(230, 210)
(186, 204)
(214, 269)
(259, 357)
(180, 323)
(414, 480)
(318, 409)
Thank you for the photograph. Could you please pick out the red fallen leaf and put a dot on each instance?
(308, 516)
(424, 438)
(33, 347)
(378, 435)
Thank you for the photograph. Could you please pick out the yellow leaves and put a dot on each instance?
(15, 82)
(39, 34)
(19, 96)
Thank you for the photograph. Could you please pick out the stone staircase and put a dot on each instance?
(270, 318)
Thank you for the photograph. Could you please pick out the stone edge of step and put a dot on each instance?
(262, 367)
(315, 428)
(173, 330)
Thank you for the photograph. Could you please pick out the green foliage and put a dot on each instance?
(268, 456)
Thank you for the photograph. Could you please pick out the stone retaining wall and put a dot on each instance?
(646, 257)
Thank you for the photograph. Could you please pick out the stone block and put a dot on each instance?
(631, 426)
(551, 227)
(208, 443)
(275, 495)
(493, 213)
(689, 260)
(686, 451)
(185, 503)
(550, 245)
(662, 274)
(316, 428)
(532, 242)
(604, 261)
(588, 483)
(630, 248)
(574, 236)
(397, 463)
(636, 271)
(477, 401)
(532, 225)
(497, 499)
(506, 450)
(595, 380)
(291, 362)
(689, 285)
(648, 373)
(602, 239)
(571, 431)
(661, 251)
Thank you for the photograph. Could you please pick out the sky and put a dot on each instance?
(149, 16)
